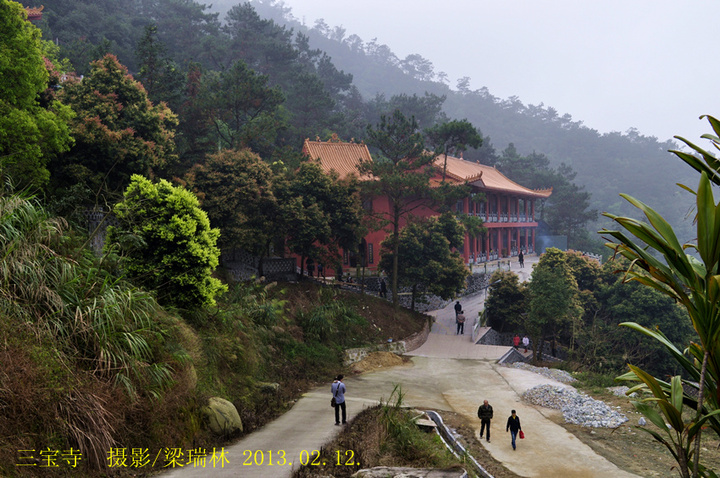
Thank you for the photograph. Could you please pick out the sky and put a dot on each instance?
(611, 64)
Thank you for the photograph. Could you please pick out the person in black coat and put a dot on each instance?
(513, 425)
(485, 414)
(383, 289)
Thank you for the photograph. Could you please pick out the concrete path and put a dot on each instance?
(448, 372)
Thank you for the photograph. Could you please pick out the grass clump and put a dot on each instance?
(402, 438)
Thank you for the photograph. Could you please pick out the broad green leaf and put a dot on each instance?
(676, 393)
(651, 414)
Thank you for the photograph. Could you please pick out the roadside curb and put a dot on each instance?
(450, 439)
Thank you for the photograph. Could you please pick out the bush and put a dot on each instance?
(166, 243)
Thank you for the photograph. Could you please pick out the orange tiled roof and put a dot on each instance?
(486, 177)
(337, 155)
(34, 13)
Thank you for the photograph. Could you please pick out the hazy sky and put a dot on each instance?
(612, 64)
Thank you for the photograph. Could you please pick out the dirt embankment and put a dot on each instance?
(377, 360)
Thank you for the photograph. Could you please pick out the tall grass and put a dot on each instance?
(102, 322)
(332, 320)
(401, 436)
(58, 295)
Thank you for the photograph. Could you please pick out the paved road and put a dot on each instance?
(447, 373)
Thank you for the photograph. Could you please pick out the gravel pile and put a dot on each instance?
(553, 373)
(577, 408)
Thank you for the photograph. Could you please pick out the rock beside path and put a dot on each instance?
(577, 408)
(222, 416)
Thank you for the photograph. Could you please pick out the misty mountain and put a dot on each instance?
(606, 164)
(335, 82)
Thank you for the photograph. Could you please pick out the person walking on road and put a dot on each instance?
(485, 414)
(458, 308)
(383, 289)
(526, 342)
(460, 319)
(521, 259)
(338, 390)
(513, 425)
(516, 341)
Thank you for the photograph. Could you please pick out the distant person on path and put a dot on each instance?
(516, 341)
(310, 268)
(458, 308)
(513, 425)
(320, 271)
(338, 390)
(485, 414)
(521, 259)
(526, 342)
(460, 319)
(383, 288)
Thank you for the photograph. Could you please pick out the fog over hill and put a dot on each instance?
(606, 164)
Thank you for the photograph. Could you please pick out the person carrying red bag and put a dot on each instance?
(513, 426)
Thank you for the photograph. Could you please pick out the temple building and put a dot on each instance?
(506, 208)
(34, 13)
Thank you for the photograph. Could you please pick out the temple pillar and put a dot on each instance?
(532, 209)
(533, 241)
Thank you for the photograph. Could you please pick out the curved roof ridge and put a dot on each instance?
(491, 177)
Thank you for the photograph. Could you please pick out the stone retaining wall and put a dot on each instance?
(408, 344)
(418, 338)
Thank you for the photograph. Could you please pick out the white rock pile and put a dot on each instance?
(556, 374)
(621, 391)
(577, 408)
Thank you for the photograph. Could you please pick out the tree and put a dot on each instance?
(29, 132)
(310, 107)
(166, 243)
(619, 302)
(418, 67)
(322, 213)
(118, 132)
(402, 175)
(506, 305)
(235, 188)
(242, 107)
(691, 279)
(427, 109)
(158, 73)
(553, 292)
(426, 261)
(451, 138)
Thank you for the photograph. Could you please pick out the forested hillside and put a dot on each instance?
(178, 132)
(333, 81)
(606, 164)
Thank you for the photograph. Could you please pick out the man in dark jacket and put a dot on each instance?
(513, 424)
(485, 414)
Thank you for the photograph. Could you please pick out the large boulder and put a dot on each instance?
(222, 416)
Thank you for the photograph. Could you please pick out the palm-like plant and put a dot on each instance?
(659, 260)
